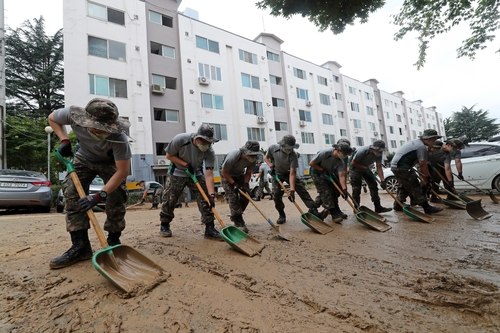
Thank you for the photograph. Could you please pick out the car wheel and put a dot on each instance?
(391, 183)
(254, 191)
(45, 209)
(496, 184)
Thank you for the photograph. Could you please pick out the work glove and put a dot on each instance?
(383, 185)
(65, 148)
(291, 197)
(344, 194)
(272, 172)
(246, 187)
(236, 187)
(211, 199)
(89, 201)
(190, 168)
(460, 176)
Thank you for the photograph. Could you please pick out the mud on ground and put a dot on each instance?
(416, 277)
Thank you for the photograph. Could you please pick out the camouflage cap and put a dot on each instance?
(437, 144)
(288, 142)
(455, 143)
(251, 148)
(378, 145)
(430, 134)
(344, 140)
(101, 114)
(343, 147)
(206, 132)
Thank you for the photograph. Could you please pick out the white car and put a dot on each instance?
(480, 167)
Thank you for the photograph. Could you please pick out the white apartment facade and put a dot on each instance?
(169, 73)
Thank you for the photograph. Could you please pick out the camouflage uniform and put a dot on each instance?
(263, 182)
(237, 202)
(328, 195)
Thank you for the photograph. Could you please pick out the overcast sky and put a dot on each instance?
(364, 51)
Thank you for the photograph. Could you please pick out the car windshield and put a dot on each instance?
(97, 181)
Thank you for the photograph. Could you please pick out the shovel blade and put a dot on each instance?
(454, 204)
(372, 222)
(315, 223)
(417, 216)
(475, 210)
(127, 268)
(240, 241)
(277, 229)
(372, 213)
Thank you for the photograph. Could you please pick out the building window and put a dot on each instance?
(302, 94)
(329, 139)
(343, 132)
(165, 81)
(336, 78)
(250, 81)
(248, 57)
(400, 131)
(388, 115)
(105, 86)
(398, 117)
(327, 119)
(354, 106)
(360, 141)
(171, 116)
(253, 107)
(391, 129)
(278, 102)
(352, 90)
(273, 56)
(419, 123)
(257, 134)
(106, 48)
(371, 126)
(220, 131)
(161, 19)
(395, 105)
(163, 50)
(340, 114)
(280, 126)
(212, 72)
(305, 115)
(401, 143)
(338, 96)
(276, 80)
(299, 73)
(209, 101)
(322, 80)
(207, 44)
(367, 95)
(160, 148)
(356, 123)
(324, 99)
(105, 13)
(394, 144)
(307, 137)
(387, 102)
(369, 110)
(411, 121)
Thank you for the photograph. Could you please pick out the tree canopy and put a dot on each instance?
(427, 18)
(475, 125)
(34, 71)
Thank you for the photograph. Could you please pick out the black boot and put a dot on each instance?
(336, 215)
(81, 250)
(341, 213)
(239, 222)
(282, 217)
(271, 197)
(114, 238)
(211, 232)
(314, 211)
(428, 209)
(397, 207)
(165, 229)
(155, 206)
(381, 209)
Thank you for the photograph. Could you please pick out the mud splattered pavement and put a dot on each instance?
(416, 277)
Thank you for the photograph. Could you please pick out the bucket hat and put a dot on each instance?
(251, 148)
(101, 114)
(455, 143)
(288, 142)
(343, 147)
(430, 134)
(206, 132)
(378, 145)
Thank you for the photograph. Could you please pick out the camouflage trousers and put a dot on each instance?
(157, 194)
(328, 195)
(115, 203)
(237, 202)
(300, 188)
(409, 185)
(263, 185)
(436, 180)
(174, 186)
(356, 178)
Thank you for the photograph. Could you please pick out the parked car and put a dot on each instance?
(480, 166)
(95, 186)
(25, 189)
(254, 185)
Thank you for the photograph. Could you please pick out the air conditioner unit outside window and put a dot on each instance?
(157, 89)
(163, 161)
(302, 123)
(375, 133)
(309, 103)
(261, 120)
(204, 80)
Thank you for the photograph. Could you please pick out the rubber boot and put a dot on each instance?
(336, 215)
(397, 207)
(435, 199)
(282, 217)
(341, 213)
(428, 209)
(211, 232)
(114, 238)
(314, 211)
(271, 197)
(239, 222)
(165, 229)
(155, 206)
(381, 209)
(81, 250)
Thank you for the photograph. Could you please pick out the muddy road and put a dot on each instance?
(416, 277)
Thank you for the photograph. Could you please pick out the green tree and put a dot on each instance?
(34, 72)
(475, 125)
(427, 18)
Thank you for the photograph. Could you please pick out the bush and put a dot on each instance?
(389, 157)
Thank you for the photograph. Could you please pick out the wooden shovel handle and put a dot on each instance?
(243, 193)
(389, 192)
(288, 194)
(342, 193)
(208, 201)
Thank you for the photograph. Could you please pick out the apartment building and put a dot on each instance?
(168, 73)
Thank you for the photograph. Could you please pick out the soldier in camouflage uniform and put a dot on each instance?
(411, 153)
(236, 171)
(189, 151)
(327, 163)
(103, 150)
(360, 169)
(283, 162)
